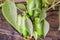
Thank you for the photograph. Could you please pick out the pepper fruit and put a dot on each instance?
(30, 7)
(24, 29)
(38, 6)
(38, 26)
(37, 23)
(21, 25)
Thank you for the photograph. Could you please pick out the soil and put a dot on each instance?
(9, 33)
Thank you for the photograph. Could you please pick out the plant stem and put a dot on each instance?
(53, 5)
(20, 10)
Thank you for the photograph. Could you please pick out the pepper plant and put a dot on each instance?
(32, 21)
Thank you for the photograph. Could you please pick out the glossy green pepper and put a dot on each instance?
(38, 26)
(30, 7)
(39, 4)
(39, 7)
(24, 30)
(21, 25)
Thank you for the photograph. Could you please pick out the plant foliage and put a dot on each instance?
(32, 21)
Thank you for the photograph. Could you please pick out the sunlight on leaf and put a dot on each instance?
(10, 12)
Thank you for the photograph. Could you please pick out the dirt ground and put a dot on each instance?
(8, 33)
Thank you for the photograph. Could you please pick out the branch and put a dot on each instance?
(53, 6)
(20, 10)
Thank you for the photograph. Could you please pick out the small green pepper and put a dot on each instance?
(38, 26)
(30, 6)
(21, 25)
(24, 30)
(38, 6)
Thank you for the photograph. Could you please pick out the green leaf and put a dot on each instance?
(45, 28)
(42, 15)
(21, 6)
(29, 26)
(19, 27)
(10, 12)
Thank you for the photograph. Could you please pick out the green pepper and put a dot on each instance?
(38, 6)
(38, 26)
(21, 25)
(30, 7)
(24, 29)
(37, 23)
